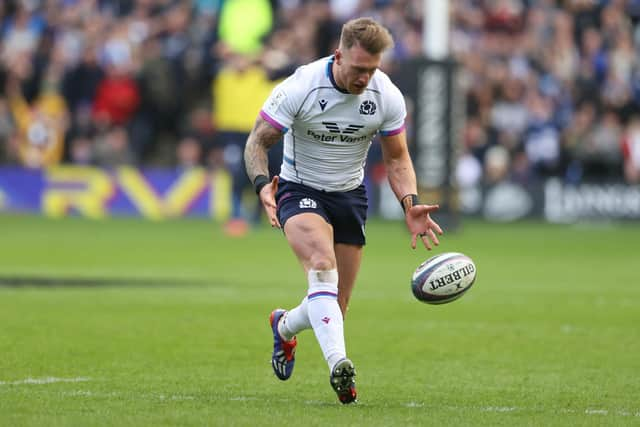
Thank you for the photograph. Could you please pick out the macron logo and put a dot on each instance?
(326, 319)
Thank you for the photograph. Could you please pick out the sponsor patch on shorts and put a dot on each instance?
(308, 203)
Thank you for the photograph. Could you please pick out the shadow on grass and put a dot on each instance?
(19, 281)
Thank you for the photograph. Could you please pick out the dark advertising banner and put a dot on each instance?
(570, 203)
(438, 115)
(554, 201)
(98, 193)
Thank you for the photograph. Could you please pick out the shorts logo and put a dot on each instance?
(368, 108)
(307, 203)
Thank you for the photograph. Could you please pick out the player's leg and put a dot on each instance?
(311, 239)
(348, 213)
(348, 216)
(310, 236)
(348, 258)
(295, 321)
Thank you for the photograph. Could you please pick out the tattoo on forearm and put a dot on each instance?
(262, 138)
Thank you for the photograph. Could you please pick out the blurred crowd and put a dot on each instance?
(552, 87)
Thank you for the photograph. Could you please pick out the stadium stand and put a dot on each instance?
(552, 87)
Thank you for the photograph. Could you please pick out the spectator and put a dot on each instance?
(509, 114)
(40, 125)
(600, 153)
(112, 148)
(117, 95)
(6, 130)
(189, 153)
(631, 151)
(244, 24)
(81, 81)
(573, 137)
(81, 150)
(497, 165)
(241, 85)
(21, 32)
(541, 139)
(468, 171)
(160, 100)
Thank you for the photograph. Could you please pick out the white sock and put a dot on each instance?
(296, 320)
(325, 315)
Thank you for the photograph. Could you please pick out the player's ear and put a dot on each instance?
(338, 56)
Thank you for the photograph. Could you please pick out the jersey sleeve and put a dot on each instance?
(395, 112)
(281, 106)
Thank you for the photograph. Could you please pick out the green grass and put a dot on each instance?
(176, 333)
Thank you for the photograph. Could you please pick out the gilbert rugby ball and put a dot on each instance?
(443, 278)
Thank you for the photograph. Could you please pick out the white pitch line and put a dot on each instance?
(242, 399)
(498, 409)
(175, 397)
(414, 405)
(88, 393)
(46, 380)
(596, 411)
(83, 393)
(507, 409)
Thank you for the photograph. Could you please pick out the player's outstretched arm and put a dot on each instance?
(402, 178)
(262, 137)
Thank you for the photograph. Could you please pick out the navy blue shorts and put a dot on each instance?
(345, 211)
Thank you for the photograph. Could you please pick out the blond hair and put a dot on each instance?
(367, 33)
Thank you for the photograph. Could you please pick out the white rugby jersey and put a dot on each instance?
(328, 131)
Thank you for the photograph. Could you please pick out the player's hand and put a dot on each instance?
(268, 199)
(421, 225)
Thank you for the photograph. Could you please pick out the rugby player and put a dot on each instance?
(329, 111)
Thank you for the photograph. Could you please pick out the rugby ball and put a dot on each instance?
(443, 278)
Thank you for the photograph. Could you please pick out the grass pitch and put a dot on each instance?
(133, 323)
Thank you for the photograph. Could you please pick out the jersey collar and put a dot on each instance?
(330, 75)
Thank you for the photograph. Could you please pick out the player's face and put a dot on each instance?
(355, 68)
